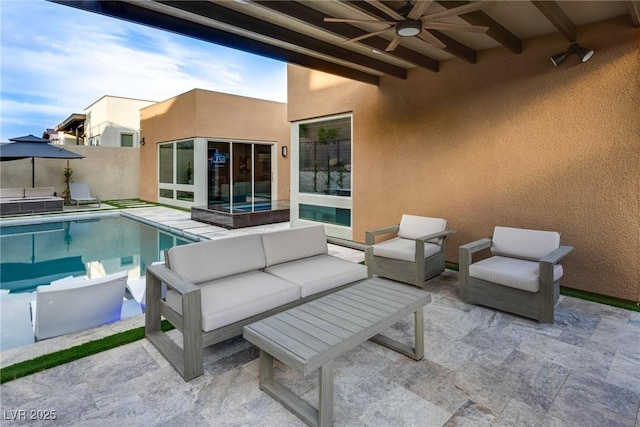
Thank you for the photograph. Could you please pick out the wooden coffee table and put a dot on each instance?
(312, 335)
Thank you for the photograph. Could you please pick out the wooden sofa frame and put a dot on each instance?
(188, 359)
(415, 273)
(534, 305)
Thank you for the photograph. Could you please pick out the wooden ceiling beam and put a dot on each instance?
(254, 25)
(496, 31)
(557, 17)
(134, 13)
(634, 12)
(304, 13)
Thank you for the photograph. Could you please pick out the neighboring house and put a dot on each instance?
(111, 121)
(203, 148)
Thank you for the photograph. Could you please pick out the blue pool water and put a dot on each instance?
(35, 254)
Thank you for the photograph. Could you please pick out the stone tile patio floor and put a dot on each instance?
(481, 368)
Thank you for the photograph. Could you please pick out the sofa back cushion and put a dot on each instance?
(294, 243)
(523, 243)
(11, 193)
(39, 192)
(412, 227)
(206, 261)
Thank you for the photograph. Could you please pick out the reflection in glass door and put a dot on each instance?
(239, 176)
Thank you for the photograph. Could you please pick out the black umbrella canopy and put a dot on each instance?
(31, 146)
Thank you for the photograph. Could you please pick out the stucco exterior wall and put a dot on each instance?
(111, 172)
(110, 116)
(509, 141)
(202, 113)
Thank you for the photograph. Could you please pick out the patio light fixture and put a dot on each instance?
(285, 151)
(408, 28)
(582, 52)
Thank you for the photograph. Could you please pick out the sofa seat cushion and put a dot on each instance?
(206, 261)
(231, 299)
(403, 249)
(295, 243)
(319, 273)
(512, 272)
(524, 243)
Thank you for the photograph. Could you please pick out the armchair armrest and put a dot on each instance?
(555, 256)
(476, 246)
(442, 233)
(370, 234)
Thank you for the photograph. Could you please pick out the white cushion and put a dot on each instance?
(413, 227)
(205, 261)
(319, 273)
(523, 243)
(12, 193)
(512, 272)
(39, 192)
(295, 243)
(402, 249)
(229, 300)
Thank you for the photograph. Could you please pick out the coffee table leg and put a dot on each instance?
(325, 404)
(418, 318)
(266, 368)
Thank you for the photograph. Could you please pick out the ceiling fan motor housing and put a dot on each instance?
(408, 28)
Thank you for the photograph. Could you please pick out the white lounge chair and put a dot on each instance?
(79, 193)
(74, 304)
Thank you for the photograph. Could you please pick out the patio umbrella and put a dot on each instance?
(31, 146)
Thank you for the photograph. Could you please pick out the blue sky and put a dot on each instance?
(57, 60)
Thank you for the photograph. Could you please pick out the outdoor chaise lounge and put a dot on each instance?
(74, 304)
(79, 193)
(414, 255)
(523, 276)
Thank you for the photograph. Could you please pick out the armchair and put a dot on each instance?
(523, 275)
(414, 256)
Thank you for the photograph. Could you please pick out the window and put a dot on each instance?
(176, 172)
(126, 140)
(325, 157)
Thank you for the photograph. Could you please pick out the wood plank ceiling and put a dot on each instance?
(297, 31)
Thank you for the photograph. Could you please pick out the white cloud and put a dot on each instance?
(62, 66)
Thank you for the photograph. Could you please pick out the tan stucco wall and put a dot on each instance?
(111, 172)
(202, 113)
(509, 141)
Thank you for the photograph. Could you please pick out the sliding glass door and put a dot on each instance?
(239, 175)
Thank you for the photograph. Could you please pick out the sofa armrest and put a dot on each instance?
(370, 235)
(476, 246)
(443, 233)
(171, 278)
(465, 253)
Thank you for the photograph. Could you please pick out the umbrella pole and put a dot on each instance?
(33, 172)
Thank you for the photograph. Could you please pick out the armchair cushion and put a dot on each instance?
(231, 299)
(319, 273)
(403, 249)
(523, 243)
(512, 272)
(413, 227)
(196, 261)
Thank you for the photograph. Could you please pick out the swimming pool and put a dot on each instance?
(35, 254)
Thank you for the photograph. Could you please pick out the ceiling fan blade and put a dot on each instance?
(394, 43)
(455, 27)
(364, 36)
(431, 39)
(386, 9)
(458, 10)
(359, 21)
(419, 9)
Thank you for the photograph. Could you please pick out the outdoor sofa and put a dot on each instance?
(215, 288)
(15, 201)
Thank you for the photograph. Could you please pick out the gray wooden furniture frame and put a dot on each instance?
(414, 273)
(534, 305)
(313, 335)
(188, 359)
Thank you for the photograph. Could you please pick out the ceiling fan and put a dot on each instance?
(411, 20)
